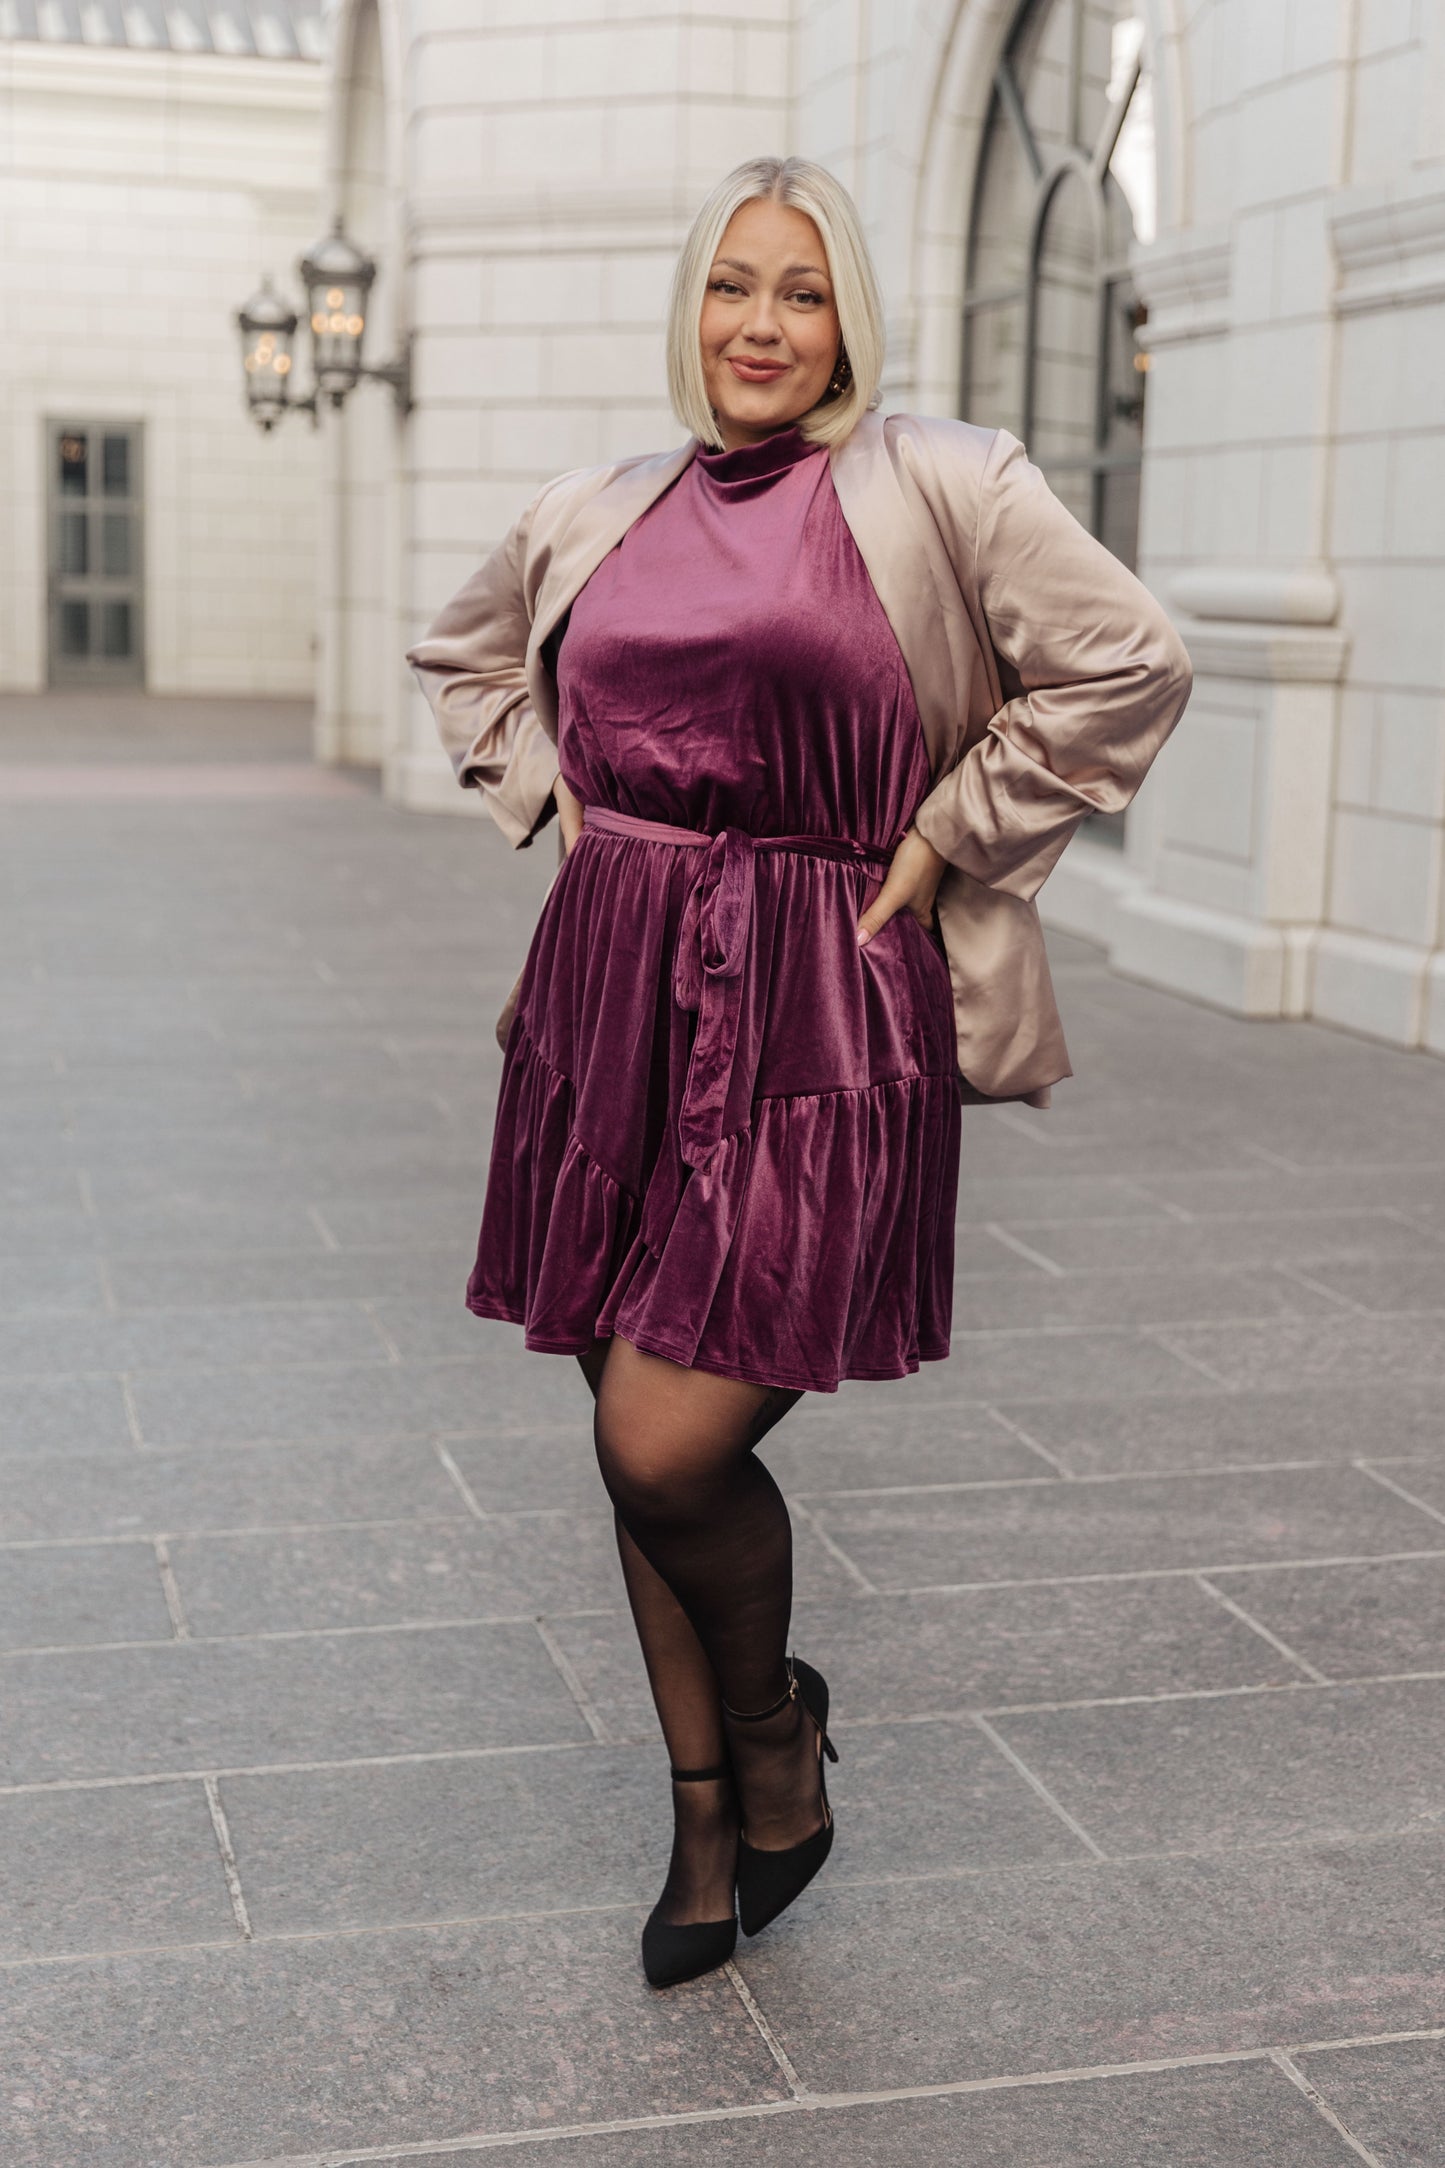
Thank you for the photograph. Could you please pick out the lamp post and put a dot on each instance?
(338, 277)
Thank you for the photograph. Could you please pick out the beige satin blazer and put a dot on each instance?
(1046, 675)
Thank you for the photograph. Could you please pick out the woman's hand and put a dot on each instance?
(569, 814)
(910, 884)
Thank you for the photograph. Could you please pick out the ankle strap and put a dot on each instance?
(700, 1776)
(758, 1716)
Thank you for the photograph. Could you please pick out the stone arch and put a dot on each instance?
(942, 105)
(359, 689)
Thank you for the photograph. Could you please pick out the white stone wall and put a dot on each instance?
(141, 196)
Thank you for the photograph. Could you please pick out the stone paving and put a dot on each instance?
(330, 1805)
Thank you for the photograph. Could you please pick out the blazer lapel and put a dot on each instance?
(597, 527)
(919, 595)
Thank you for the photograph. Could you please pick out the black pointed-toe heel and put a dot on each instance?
(769, 1881)
(673, 1952)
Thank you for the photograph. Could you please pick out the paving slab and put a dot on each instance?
(517, 1564)
(1355, 1621)
(163, 1283)
(1233, 2115)
(130, 1867)
(282, 2048)
(1307, 1349)
(1373, 1239)
(1391, 2096)
(260, 1404)
(213, 1338)
(1151, 1296)
(811, 1451)
(1245, 1769)
(1126, 1524)
(92, 1592)
(130, 1493)
(41, 1417)
(1067, 1967)
(917, 1655)
(31, 1285)
(1209, 1428)
(1057, 1363)
(96, 1713)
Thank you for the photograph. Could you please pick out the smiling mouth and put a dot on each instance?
(756, 372)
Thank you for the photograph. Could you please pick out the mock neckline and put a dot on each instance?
(749, 464)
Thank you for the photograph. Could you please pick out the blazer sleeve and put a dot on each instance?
(1104, 678)
(472, 668)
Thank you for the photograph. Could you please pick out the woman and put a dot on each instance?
(800, 691)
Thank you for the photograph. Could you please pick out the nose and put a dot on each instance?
(762, 326)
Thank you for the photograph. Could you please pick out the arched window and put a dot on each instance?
(1065, 182)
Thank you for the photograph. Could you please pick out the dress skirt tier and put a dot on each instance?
(725, 1131)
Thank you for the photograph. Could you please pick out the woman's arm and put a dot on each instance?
(472, 667)
(1103, 679)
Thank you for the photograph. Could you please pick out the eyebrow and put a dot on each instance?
(794, 270)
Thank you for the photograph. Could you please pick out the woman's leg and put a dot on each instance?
(699, 1883)
(701, 1514)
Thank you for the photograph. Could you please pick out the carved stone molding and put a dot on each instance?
(1301, 594)
(1271, 654)
(1185, 280)
(1389, 245)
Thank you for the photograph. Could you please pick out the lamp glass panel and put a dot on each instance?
(73, 453)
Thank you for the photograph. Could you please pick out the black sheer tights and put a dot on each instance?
(706, 1547)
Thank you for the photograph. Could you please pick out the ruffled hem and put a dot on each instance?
(812, 1246)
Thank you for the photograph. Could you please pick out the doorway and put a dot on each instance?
(96, 583)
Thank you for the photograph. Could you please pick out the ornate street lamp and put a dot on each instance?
(267, 327)
(338, 277)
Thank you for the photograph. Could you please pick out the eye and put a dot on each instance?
(717, 286)
(806, 293)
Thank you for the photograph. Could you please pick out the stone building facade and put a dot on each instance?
(1192, 250)
(153, 161)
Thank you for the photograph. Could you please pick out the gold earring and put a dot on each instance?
(842, 375)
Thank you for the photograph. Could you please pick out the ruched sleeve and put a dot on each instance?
(472, 668)
(1102, 679)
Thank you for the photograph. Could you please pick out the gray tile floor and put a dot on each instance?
(329, 1802)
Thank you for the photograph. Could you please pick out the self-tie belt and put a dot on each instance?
(712, 949)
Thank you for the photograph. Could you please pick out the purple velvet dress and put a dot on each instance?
(724, 1130)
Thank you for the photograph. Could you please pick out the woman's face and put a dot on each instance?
(770, 334)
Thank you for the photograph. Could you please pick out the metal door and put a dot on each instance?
(96, 589)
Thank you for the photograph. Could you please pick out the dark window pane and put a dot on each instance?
(115, 543)
(115, 628)
(115, 466)
(75, 628)
(73, 451)
(1066, 335)
(74, 542)
(1124, 372)
(999, 244)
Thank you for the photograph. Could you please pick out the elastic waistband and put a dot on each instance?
(844, 848)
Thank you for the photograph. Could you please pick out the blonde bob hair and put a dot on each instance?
(802, 186)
